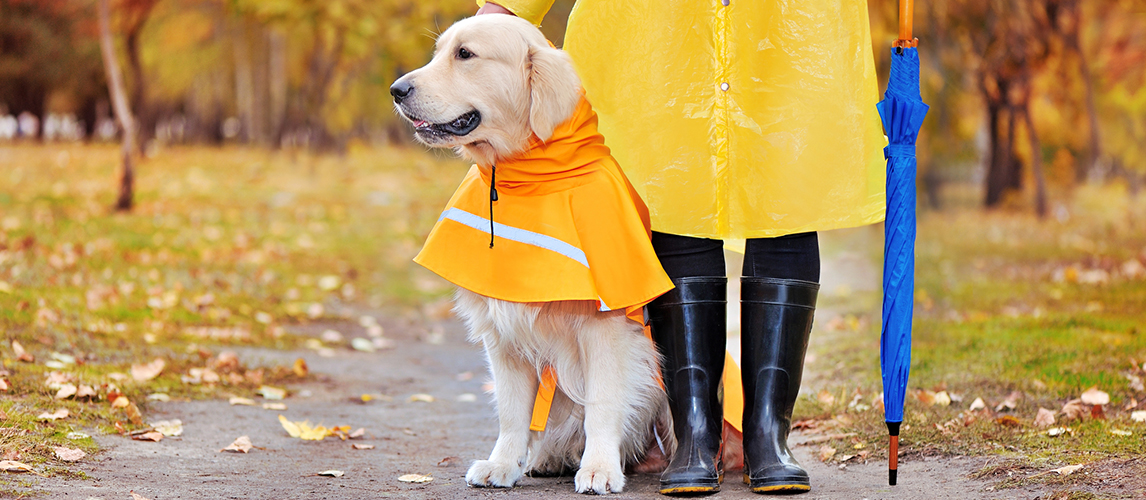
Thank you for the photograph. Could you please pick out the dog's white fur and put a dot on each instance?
(608, 408)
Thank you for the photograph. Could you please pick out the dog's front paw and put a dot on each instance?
(485, 473)
(600, 479)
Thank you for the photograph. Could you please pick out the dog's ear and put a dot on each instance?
(553, 90)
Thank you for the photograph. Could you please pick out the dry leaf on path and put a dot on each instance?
(826, 453)
(168, 428)
(241, 401)
(85, 391)
(1138, 416)
(241, 445)
(331, 473)
(69, 454)
(362, 446)
(137, 496)
(14, 466)
(132, 412)
(303, 430)
(942, 398)
(357, 434)
(21, 354)
(275, 406)
(61, 413)
(422, 398)
(977, 405)
(1068, 470)
(1093, 396)
(415, 478)
(300, 369)
(148, 436)
(143, 373)
(361, 344)
(272, 393)
(1058, 431)
(1045, 418)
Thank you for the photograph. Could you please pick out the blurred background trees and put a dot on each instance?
(1029, 97)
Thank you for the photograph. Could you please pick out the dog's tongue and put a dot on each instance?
(420, 123)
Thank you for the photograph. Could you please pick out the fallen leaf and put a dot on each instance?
(1068, 470)
(291, 427)
(61, 413)
(331, 336)
(1119, 432)
(241, 445)
(69, 454)
(1010, 402)
(3, 384)
(273, 393)
(14, 466)
(275, 406)
(145, 372)
(357, 434)
(148, 436)
(415, 478)
(826, 453)
(300, 369)
(331, 473)
(1045, 418)
(361, 344)
(66, 391)
(159, 396)
(942, 398)
(1093, 396)
(1138, 416)
(448, 461)
(303, 430)
(362, 446)
(1058, 431)
(132, 412)
(825, 397)
(85, 391)
(1073, 409)
(422, 398)
(1097, 413)
(168, 428)
(1008, 421)
(77, 435)
(21, 354)
(977, 405)
(241, 401)
(119, 401)
(137, 496)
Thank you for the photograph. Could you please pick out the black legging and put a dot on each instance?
(795, 256)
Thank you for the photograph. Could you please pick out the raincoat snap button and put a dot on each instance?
(724, 3)
(724, 86)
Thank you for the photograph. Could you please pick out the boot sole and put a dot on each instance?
(693, 488)
(778, 485)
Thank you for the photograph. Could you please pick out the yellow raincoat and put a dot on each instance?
(751, 119)
(566, 225)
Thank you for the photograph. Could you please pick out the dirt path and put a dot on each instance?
(438, 438)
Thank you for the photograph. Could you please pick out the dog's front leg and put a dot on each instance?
(605, 407)
(515, 387)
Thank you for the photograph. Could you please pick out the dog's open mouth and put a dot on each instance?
(459, 126)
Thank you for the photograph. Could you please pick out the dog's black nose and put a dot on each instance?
(401, 89)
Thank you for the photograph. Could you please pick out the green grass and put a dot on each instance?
(245, 240)
(1005, 302)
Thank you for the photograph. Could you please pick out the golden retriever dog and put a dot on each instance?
(493, 82)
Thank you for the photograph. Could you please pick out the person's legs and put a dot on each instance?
(778, 300)
(688, 325)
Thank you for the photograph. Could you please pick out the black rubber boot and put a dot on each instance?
(689, 328)
(775, 322)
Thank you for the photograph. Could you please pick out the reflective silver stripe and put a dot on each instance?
(515, 234)
(603, 306)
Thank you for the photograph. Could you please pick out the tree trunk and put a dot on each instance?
(1036, 162)
(244, 88)
(144, 128)
(122, 110)
(997, 164)
(276, 43)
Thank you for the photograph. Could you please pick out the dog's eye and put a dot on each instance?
(464, 54)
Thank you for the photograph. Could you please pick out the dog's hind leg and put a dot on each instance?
(515, 385)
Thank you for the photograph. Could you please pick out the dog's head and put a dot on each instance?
(494, 80)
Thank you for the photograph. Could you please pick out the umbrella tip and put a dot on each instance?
(893, 452)
(891, 477)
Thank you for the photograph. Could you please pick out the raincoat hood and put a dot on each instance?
(565, 225)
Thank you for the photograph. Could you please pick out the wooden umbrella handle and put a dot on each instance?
(906, 14)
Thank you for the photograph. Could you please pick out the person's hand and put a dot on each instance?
(493, 8)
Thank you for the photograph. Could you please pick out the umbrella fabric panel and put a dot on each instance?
(902, 112)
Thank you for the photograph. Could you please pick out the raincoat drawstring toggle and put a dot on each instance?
(492, 198)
